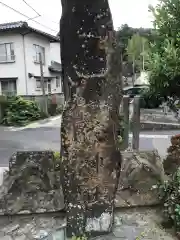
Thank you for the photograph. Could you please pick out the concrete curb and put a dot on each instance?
(150, 125)
(38, 123)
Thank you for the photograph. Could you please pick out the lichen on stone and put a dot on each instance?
(90, 121)
(32, 184)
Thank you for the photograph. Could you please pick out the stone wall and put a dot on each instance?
(140, 171)
(32, 184)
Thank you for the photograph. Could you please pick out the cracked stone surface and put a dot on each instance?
(139, 172)
(32, 184)
(31, 227)
(132, 224)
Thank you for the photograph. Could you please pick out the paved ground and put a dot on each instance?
(46, 135)
(139, 224)
(159, 140)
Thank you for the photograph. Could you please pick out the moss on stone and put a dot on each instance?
(79, 238)
(56, 155)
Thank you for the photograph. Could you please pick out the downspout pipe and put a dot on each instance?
(25, 65)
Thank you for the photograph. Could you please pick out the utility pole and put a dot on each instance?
(45, 110)
(143, 43)
(134, 74)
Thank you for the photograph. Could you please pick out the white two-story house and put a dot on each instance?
(20, 73)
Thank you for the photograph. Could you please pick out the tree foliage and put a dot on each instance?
(136, 50)
(170, 196)
(125, 32)
(164, 57)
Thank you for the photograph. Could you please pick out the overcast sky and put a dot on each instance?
(134, 13)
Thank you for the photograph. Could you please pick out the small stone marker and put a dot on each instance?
(136, 123)
(125, 113)
(89, 172)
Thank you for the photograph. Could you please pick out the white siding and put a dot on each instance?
(55, 52)
(14, 69)
(24, 62)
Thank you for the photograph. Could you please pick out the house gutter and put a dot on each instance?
(25, 66)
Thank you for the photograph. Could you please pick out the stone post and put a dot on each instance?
(91, 162)
(125, 113)
(136, 123)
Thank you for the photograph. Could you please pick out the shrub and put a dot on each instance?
(57, 161)
(170, 195)
(56, 156)
(20, 112)
(172, 161)
(150, 99)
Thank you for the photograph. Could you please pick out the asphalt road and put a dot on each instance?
(43, 138)
(47, 137)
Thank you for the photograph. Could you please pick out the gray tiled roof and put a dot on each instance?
(12, 25)
(21, 25)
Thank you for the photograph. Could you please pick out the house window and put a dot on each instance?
(7, 52)
(8, 87)
(58, 82)
(39, 50)
(38, 84)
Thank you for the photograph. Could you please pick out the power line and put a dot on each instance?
(22, 14)
(31, 7)
(50, 20)
(39, 15)
(32, 19)
(55, 22)
(29, 19)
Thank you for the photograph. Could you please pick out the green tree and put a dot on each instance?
(136, 50)
(164, 55)
(125, 32)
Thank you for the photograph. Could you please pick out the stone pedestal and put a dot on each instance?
(140, 172)
(90, 171)
(32, 184)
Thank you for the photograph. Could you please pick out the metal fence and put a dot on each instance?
(39, 99)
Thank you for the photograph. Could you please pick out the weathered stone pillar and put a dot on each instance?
(136, 123)
(90, 121)
(125, 121)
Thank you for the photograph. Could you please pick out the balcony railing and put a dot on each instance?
(9, 93)
(7, 58)
(37, 60)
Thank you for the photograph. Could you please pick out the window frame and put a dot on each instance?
(12, 52)
(58, 82)
(45, 86)
(9, 92)
(36, 56)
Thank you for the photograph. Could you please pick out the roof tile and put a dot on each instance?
(21, 24)
(11, 25)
